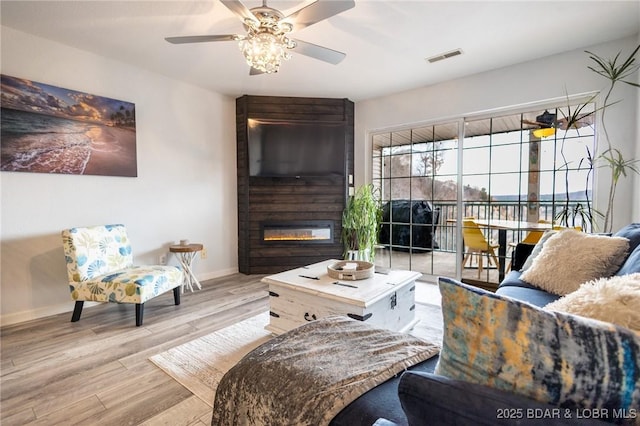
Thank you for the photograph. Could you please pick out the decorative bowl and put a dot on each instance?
(351, 270)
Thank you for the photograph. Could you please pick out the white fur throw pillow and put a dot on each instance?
(570, 258)
(537, 249)
(615, 300)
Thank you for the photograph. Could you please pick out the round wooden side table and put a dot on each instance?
(186, 253)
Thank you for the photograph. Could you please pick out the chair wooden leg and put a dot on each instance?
(77, 310)
(139, 313)
(480, 264)
(495, 259)
(176, 295)
(468, 258)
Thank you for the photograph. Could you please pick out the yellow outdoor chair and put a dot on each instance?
(100, 268)
(475, 242)
(532, 238)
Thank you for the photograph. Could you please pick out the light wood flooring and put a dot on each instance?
(96, 371)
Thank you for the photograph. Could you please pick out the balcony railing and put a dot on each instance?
(446, 229)
(440, 259)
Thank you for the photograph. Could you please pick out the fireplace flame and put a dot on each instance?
(294, 238)
(301, 234)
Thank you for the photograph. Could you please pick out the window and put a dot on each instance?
(506, 169)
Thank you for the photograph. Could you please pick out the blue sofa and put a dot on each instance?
(420, 397)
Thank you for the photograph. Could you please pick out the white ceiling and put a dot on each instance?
(386, 42)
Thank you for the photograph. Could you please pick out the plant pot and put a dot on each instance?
(364, 255)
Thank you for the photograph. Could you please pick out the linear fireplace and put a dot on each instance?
(297, 232)
(293, 200)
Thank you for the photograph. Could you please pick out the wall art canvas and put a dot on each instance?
(48, 129)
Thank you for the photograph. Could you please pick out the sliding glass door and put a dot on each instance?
(524, 166)
(415, 174)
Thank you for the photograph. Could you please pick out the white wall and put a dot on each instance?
(636, 188)
(186, 184)
(531, 82)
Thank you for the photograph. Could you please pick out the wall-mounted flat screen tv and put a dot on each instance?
(296, 148)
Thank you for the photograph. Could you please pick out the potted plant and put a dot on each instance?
(612, 157)
(361, 225)
(580, 213)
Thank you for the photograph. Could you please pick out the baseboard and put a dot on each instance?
(204, 276)
(46, 311)
(32, 314)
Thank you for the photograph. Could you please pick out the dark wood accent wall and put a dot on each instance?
(262, 199)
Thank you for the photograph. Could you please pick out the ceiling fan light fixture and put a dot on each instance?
(264, 50)
(544, 132)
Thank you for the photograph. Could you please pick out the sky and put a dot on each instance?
(504, 157)
(31, 96)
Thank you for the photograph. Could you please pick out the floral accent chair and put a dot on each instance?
(100, 268)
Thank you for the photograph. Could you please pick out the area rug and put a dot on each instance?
(200, 364)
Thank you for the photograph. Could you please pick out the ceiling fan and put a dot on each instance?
(267, 40)
(547, 123)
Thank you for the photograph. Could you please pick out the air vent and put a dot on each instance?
(446, 55)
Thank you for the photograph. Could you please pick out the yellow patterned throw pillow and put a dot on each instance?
(570, 258)
(560, 359)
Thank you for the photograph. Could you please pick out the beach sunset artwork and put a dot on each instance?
(48, 129)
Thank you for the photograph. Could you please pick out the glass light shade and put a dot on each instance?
(264, 51)
(544, 132)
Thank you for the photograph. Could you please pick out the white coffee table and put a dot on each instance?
(308, 293)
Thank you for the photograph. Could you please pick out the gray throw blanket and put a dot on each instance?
(308, 375)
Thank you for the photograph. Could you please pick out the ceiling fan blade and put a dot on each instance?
(318, 11)
(239, 9)
(255, 71)
(318, 52)
(203, 38)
